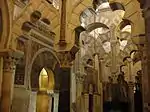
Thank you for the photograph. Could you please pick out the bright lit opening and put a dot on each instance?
(123, 43)
(103, 6)
(56, 4)
(46, 80)
(127, 28)
(43, 80)
(83, 25)
(95, 33)
(107, 47)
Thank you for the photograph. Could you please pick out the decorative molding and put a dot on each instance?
(80, 76)
(20, 3)
(9, 64)
(65, 59)
(40, 31)
(10, 59)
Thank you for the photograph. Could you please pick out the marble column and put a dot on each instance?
(101, 74)
(9, 64)
(145, 5)
(97, 103)
(56, 101)
(114, 48)
(147, 32)
(130, 67)
(79, 85)
(130, 84)
(1, 74)
(86, 102)
(62, 40)
(145, 79)
(50, 109)
(32, 103)
(114, 61)
(131, 96)
(79, 96)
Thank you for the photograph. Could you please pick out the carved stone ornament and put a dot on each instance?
(65, 59)
(80, 77)
(9, 64)
(10, 59)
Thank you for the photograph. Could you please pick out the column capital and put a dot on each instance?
(146, 12)
(10, 59)
(114, 42)
(56, 91)
(131, 84)
(80, 77)
(16, 54)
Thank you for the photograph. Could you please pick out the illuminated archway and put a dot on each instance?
(46, 80)
(46, 89)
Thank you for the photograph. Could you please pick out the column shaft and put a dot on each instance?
(32, 103)
(97, 103)
(56, 102)
(7, 83)
(86, 102)
(1, 75)
(9, 64)
(131, 96)
(114, 54)
(146, 82)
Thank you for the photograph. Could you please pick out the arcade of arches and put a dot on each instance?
(74, 56)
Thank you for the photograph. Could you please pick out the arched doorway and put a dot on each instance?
(45, 100)
(44, 81)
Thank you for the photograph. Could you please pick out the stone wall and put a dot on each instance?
(21, 100)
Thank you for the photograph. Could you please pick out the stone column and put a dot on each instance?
(145, 79)
(79, 89)
(32, 103)
(56, 101)
(97, 104)
(130, 84)
(130, 66)
(86, 102)
(9, 64)
(145, 5)
(62, 41)
(1, 74)
(51, 96)
(79, 85)
(114, 61)
(100, 96)
(114, 53)
(147, 32)
(131, 96)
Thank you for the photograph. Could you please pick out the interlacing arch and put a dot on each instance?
(97, 37)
